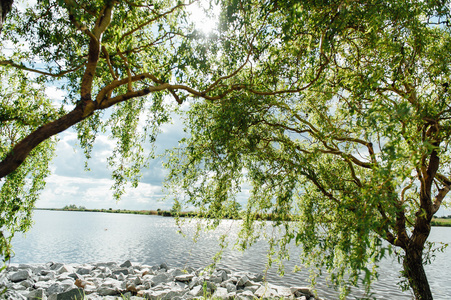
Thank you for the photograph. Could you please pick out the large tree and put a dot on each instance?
(336, 112)
(133, 57)
(360, 155)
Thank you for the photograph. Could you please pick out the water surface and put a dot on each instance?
(86, 237)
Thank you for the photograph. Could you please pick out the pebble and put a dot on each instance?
(132, 281)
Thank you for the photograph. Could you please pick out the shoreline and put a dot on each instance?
(438, 222)
(134, 281)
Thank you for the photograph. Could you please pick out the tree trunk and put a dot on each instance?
(5, 7)
(414, 271)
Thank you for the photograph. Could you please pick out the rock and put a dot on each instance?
(83, 271)
(55, 288)
(161, 278)
(220, 293)
(196, 291)
(256, 277)
(243, 281)
(176, 272)
(19, 275)
(231, 288)
(283, 291)
(109, 281)
(107, 291)
(74, 294)
(74, 276)
(265, 292)
(65, 269)
(27, 283)
(121, 271)
(38, 294)
(246, 295)
(253, 288)
(126, 264)
(300, 291)
(184, 277)
(55, 266)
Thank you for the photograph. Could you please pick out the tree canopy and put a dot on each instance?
(358, 156)
(337, 114)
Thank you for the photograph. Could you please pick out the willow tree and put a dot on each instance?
(357, 156)
(132, 57)
(123, 55)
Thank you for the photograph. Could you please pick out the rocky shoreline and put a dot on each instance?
(58, 281)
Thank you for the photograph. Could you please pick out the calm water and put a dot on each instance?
(82, 237)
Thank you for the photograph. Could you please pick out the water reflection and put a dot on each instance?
(79, 237)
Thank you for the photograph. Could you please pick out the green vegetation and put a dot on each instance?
(337, 114)
(441, 222)
(159, 212)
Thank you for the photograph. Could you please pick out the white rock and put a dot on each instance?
(65, 269)
(19, 275)
(220, 293)
(161, 278)
(184, 277)
(196, 291)
(265, 292)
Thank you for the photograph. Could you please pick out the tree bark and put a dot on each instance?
(22, 149)
(5, 8)
(414, 271)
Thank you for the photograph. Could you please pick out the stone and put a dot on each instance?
(126, 264)
(65, 269)
(253, 288)
(107, 291)
(55, 288)
(246, 295)
(220, 293)
(243, 280)
(38, 294)
(27, 283)
(184, 277)
(231, 288)
(265, 292)
(83, 271)
(283, 291)
(196, 291)
(299, 291)
(121, 271)
(109, 281)
(256, 277)
(19, 275)
(74, 294)
(55, 266)
(161, 278)
(74, 276)
(176, 272)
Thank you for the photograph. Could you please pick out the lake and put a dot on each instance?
(85, 237)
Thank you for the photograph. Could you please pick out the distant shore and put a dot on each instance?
(164, 213)
(442, 221)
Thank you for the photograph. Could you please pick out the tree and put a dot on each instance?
(5, 8)
(129, 56)
(336, 112)
(358, 156)
(119, 54)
